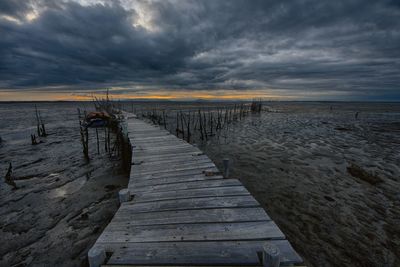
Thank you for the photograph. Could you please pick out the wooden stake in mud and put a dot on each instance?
(85, 142)
(105, 139)
(98, 142)
(201, 126)
(188, 129)
(177, 124)
(109, 141)
(37, 121)
(211, 121)
(165, 122)
(8, 178)
(39, 124)
(205, 125)
(182, 124)
(33, 139)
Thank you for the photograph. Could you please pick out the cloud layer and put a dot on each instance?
(345, 48)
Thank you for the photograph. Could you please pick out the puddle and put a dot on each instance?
(69, 188)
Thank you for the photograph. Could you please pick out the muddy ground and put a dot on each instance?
(62, 202)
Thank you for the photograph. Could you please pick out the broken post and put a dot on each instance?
(271, 255)
(226, 167)
(124, 195)
(96, 257)
(8, 178)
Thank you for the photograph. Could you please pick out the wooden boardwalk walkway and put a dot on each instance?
(183, 212)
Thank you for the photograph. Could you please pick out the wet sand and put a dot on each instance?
(298, 161)
(62, 203)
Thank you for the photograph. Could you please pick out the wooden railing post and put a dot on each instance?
(226, 167)
(271, 255)
(96, 257)
(124, 195)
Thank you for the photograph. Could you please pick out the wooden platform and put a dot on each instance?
(179, 216)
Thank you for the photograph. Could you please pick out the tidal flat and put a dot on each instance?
(62, 202)
(327, 173)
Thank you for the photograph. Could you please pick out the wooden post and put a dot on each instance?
(271, 255)
(105, 139)
(183, 126)
(165, 122)
(226, 167)
(201, 126)
(124, 195)
(98, 143)
(96, 257)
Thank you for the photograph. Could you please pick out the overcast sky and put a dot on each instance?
(309, 49)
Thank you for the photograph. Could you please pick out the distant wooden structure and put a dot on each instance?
(178, 210)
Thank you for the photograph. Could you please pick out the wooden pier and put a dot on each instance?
(178, 210)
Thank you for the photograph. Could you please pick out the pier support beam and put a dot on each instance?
(226, 167)
(96, 257)
(271, 255)
(124, 195)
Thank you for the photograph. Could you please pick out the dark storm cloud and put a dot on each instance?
(14, 8)
(328, 47)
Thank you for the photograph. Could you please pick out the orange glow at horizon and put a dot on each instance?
(151, 95)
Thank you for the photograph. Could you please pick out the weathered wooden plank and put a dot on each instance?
(136, 185)
(159, 142)
(124, 219)
(144, 153)
(150, 174)
(191, 185)
(168, 167)
(170, 179)
(151, 136)
(156, 149)
(235, 253)
(192, 193)
(173, 157)
(171, 173)
(142, 128)
(159, 161)
(183, 159)
(166, 156)
(167, 143)
(190, 203)
(193, 232)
